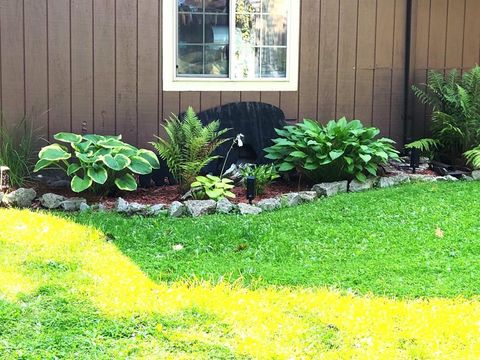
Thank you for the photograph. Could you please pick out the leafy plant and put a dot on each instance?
(425, 146)
(455, 101)
(340, 150)
(189, 146)
(16, 151)
(212, 187)
(473, 157)
(264, 175)
(101, 162)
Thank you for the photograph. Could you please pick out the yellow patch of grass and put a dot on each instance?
(266, 323)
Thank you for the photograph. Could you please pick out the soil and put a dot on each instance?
(171, 193)
(166, 194)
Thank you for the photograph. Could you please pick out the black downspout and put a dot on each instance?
(407, 120)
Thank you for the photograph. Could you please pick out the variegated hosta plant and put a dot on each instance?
(96, 162)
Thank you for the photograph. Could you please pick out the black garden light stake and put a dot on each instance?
(414, 159)
(250, 189)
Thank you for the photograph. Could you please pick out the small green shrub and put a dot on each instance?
(264, 175)
(212, 187)
(102, 162)
(189, 146)
(455, 101)
(340, 150)
(16, 151)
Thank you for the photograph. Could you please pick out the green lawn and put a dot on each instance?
(67, 293)
(383, 241)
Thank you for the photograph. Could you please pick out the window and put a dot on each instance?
(222, 45)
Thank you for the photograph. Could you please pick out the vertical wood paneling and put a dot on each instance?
(59, 69)
(421, 62)
(347, 50)
(230, 96)
(95, 65)
(309, 45)
(147, 71)
(104, 66)
(471, 43)
(270, 97)
(12, 61)
(454, 45)
(190, 98)
(367, 10)
(383, 64)
(36, 68)
(209, 99)
(328, 60)
(82, 66)
(250, 95)
(126, 69)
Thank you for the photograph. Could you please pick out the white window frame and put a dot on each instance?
(173, 83)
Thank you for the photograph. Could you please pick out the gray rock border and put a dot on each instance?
(198, 208)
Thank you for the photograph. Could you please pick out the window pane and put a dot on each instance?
(273, 62)
(216, 60)
(275, 6)
(190, 29)
(220, 6)
(274, 30)
(203, 38)
(216, 29)
(248, 6)
(190, 60)
(190, 5)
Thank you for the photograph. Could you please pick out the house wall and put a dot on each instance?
(95, 65)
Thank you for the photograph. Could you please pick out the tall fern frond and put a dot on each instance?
(189, 145)
(473, 157)
(424, 145)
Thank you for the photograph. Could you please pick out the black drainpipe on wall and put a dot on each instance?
(407, 119)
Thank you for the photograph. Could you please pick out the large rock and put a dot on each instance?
(308, 196)
(156, 210)
(177, 209)
(330, 189)
(246, 209)
(124, 207)
(389, 181)
(357, 186)
(423, 178)
(476, 175)
(224, 206)
(21, 198)
(51, 201)
(291, 199)
(73, 204)
(198, 208)
(269, 204)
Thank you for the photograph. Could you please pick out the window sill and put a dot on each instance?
(229, 85)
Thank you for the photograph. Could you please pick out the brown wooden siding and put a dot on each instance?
(95, 65)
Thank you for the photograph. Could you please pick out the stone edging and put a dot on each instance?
(23, 198)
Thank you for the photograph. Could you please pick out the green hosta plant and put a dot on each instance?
(97, 162)
(264, 175)
(212, 187)
(340, 150)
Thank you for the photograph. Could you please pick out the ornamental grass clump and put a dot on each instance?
(339, 150)
(97, 163)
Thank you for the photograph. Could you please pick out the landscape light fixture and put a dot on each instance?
(4, 178)
(414, 159)
(251, 189)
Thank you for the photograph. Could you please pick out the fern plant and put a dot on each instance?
(473, 157)
(455, 101)
(189, 146)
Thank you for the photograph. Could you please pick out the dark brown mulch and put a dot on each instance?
(166, 194)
